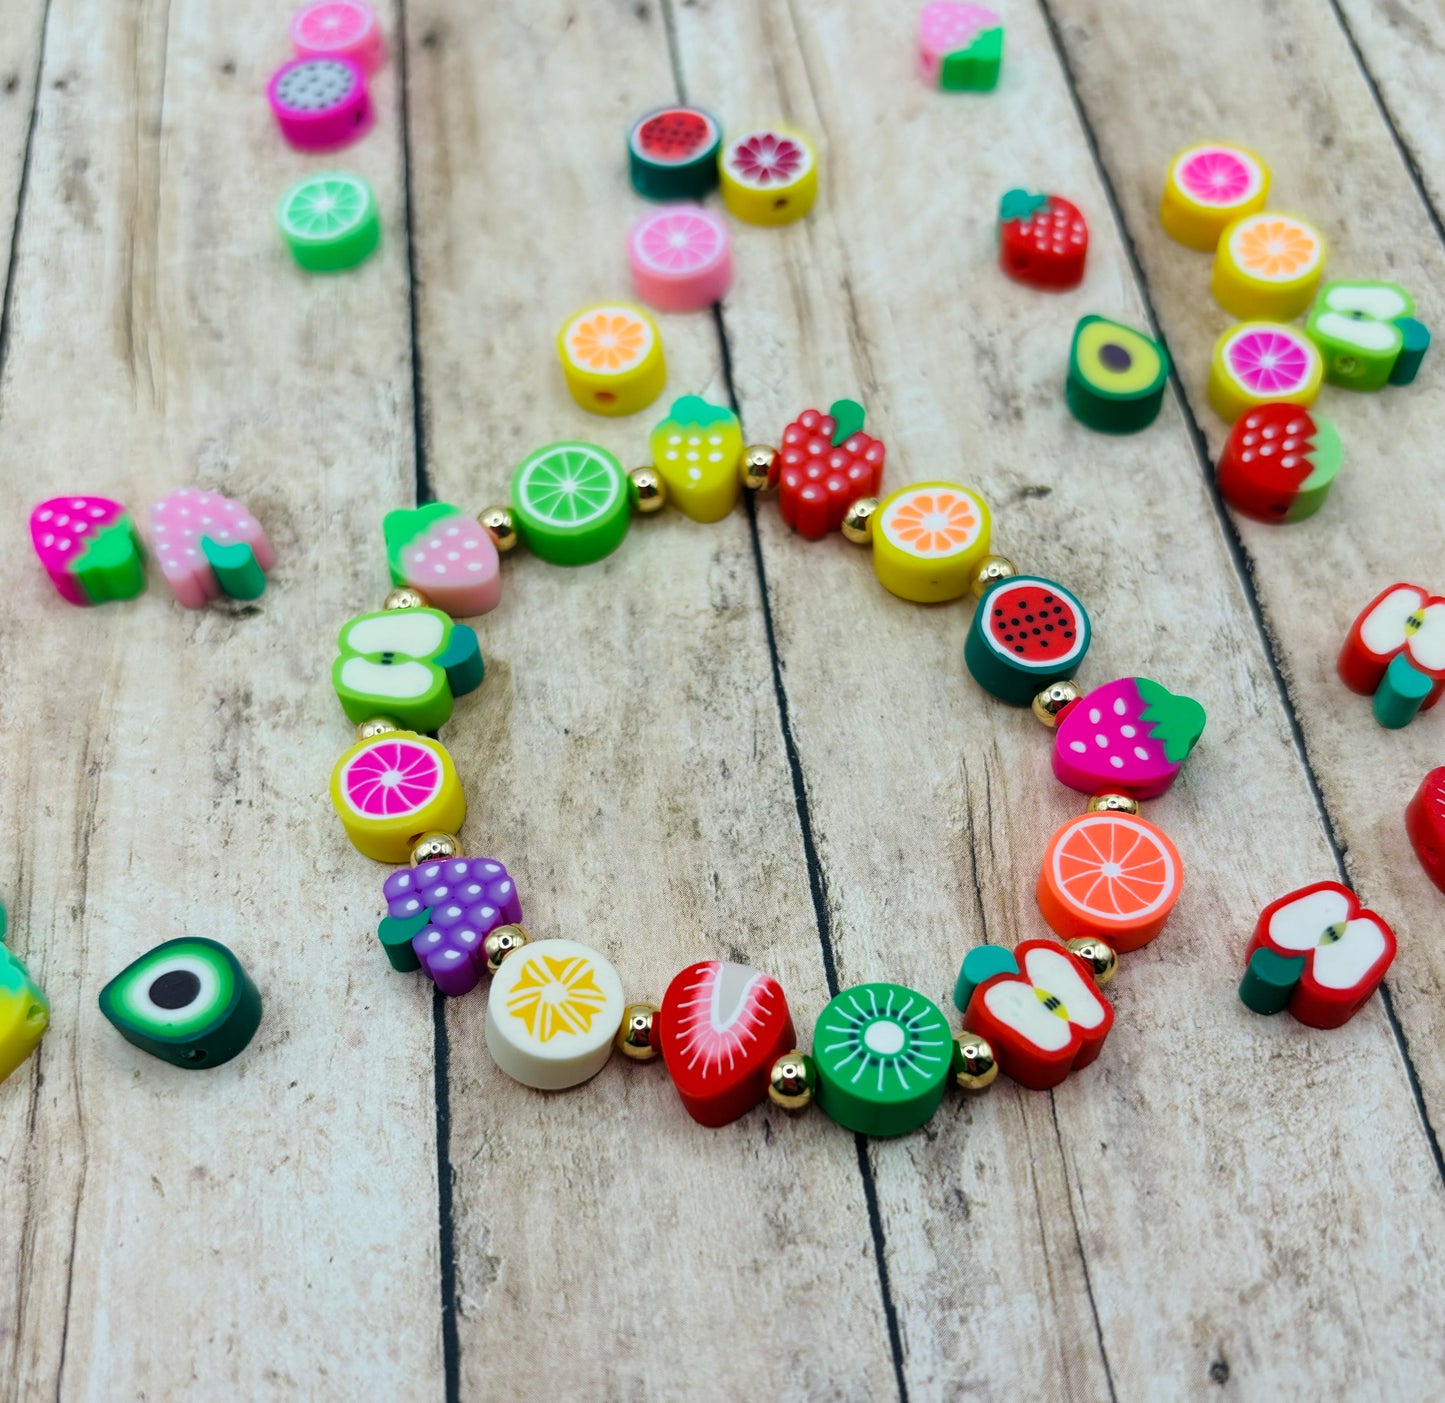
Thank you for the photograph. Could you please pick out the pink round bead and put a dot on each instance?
(339, 29)
(681, 259)
(320, 103)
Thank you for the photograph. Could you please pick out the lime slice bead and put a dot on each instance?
(330, 222)
(570, 503)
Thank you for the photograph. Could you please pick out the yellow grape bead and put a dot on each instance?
(612, 358)
(1268, 266)
(928, 541)
(390, 789)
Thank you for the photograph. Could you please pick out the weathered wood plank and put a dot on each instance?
(268, 1229)
(624, 758)
(1154, 1229)
(21, 37)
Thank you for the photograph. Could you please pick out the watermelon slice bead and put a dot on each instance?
(1027, 632)
(672, 154)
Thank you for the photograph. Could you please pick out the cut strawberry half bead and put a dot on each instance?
(1425, 823)
(826, 464)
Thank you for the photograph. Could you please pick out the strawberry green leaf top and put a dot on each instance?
(1019, 204)
(1176, 722)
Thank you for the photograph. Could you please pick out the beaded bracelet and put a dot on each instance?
(882, 1053)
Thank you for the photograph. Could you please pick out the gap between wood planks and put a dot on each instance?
(1243, 565)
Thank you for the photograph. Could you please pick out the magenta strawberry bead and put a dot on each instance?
(1128, 737)
(89, 548)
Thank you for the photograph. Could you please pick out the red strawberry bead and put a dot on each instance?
(1042, 240)
(827, 462)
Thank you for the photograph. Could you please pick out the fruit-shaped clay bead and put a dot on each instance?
(1395, 652)
(320, 104)
(24, 1011)
(769, 176)
(960, 46)
(1127, 737)
(883, 1054)
(1042, 240)
(1367, 334)
(1425, 823)
(89, 548)
(1026, 633)
(438, 917)
(1279, 463)
(1208, 187)
(612, 359)
(389, 789)
(570, 503)
(720, 1029)
(1267, 266)
(1317, 952)
(696, 449)
(330, 222)
(681, 258)
(339, 29)
(445, 554)
(209, 545)
(1262, 363)
(1116, 377)
(188, 1002)
(672, 154)
(1039, 1008)
(408, 664)
(928, 540)
(1110, 875)
(552, 1012)
(827, 462)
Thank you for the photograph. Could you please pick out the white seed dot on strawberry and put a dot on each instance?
(1116, 762)
(1288, 462)
(1079, 746)
(1128, 732)
(1095, 715)
(1141, 752)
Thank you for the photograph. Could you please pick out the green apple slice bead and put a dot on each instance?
(570, 503)
(330, 222)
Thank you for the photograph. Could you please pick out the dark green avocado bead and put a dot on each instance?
(188, 1002)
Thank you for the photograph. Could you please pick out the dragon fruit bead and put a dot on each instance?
(320, 104)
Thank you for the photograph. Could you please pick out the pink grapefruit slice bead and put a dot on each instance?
(681, 258)
(1263, 363)
(388, 790)
(339, 29)
(1207, 188)
(209, 545)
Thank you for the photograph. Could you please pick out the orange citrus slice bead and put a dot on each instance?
(928, 540)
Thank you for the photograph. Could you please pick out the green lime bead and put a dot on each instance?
(1116, 376)
(570, 503)
(1269, 980)
(330, 222)
(883, 1054)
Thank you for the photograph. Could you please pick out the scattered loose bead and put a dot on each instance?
(634, 1037)
(389, 789)
(991, 569)
(570, 503)
(1258, 363)
(1207, 188)
(758, 468)
(696, 449)
(681, 258)
(443, 551)
(672, 154)
(960, 46)
(1042, 240)
(1279, 463)
(1054, 700)
(330, 222)
(1101, 958)
(792, 1081)
(320, 104)
(858, 521)
(646, 491)
(1425, 823)
(1395, 652)
(975, 1067)
(612, 359)
(89, 548)
(1267, 267)
(405, 663)
(339, 29)
(1131, 736)
(928, 541)
(24, 1010)
(1116, 377)
(1367, 334)
(769, 176)
(208, 546)
(1027, 633)
(497, 522)
(827, 463)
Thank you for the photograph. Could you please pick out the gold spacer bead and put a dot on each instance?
(499, 524)
(433, 847)
(791, 1082)
(501, 943)
(1103, 963)
(975, 1068)
(992, 569)
(1050, 703)
(858, 521)
(756, 468)
(634, 1037)
(375, 726)
(646, 490)
(1114, 804)
(406, 598)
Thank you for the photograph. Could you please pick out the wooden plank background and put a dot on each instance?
(721, 741)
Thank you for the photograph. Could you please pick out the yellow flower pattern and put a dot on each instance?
(1275, 248)
(556, 996)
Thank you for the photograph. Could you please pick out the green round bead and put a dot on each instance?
(570, 503)
(330, 222)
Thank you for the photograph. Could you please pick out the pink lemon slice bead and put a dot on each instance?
(339, 29)
(1263, 363)
(320, 103)
(89, 548)
(681, 258)
(193, 530)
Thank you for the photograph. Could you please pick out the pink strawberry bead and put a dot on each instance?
(1129, 737)
(320, 103)
(944, 27)
(339, 29)
(681, 259)
(180, 523)
(70, 533)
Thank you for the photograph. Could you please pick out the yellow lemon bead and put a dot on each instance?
(928, 541)
(1208, 187)
(1263, 363)
(769, 176)
(390, 789)
(1268, 266)
(612, 358)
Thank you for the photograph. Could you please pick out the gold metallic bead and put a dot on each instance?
(634, 1037)
(375, 726)
(791, 1082)
(1114, 804)
(431, 847)
(497, 522)
(500, 943)
(858, 521)
(975, 1068)
(992, 569)
(1053, 699)
(756, 467)
(646, 490)
(405, 599)
(1103, 963)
